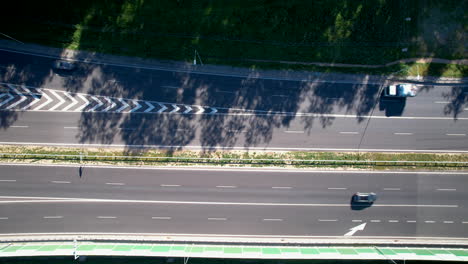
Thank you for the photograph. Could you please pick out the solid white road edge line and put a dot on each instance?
(248, 169)
(89, 200)
(231, 148)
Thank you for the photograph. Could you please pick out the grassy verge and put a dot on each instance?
(333, 31)
(369, 160)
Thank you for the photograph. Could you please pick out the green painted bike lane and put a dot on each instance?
(83, 248)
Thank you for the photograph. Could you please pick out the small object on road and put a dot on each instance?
(64, 65)
(361, 197)
(401, 90)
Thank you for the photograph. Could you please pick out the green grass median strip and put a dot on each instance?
(309, 251)
(66, 247)
(252, 250)
(31, 247)
(214, 249)
(346, 251)
(86, 247)
(12, 249)
(327, 250)
(290, 250)
(375, 160)
(366, 250)
(386, 251)
(402, 250)
(142, 247)
(459, 253)
(178, 248)
(232, 250)
(49, 248)
(161, 249)
(196, 249)
(123, 248)
(421, 252)
(440, 251)
(108, 247)
(271, 251)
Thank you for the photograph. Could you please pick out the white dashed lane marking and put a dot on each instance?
(3, 218)
(403, 134)
(337, 188)
(226, 186)
(410, 221)
(459, 135)
(349, 133)
(115, 183)
(60, 182)
(391, 189)
(161, 217)
(19, 126)
(294, 131)
(53, 217)
(170, 185)
(70, 127)
(106, 217)
(281, 187)
(7, 180)
(357, 221)
(429, 222)
(273, 219)
(217, 218)
(375, 221)
(447, 190)
(328, 220)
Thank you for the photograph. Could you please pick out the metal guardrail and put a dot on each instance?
(83, 157)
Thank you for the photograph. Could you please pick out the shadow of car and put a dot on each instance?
(393, 106)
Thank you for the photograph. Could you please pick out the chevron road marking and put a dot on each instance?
(79, 109)
(34, 101)
(60, 99)
(163, 107)
(124, 105)
(112, 104)
(96, 106)
(176, 108)
(189, 109)
(200, 111)
(70, 105)
(150, 107)
(23, 98)
(214, 110)
(8, 100)
(138, 106)
(49, 100)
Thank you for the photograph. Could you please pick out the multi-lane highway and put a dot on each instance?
(128, 106)
(41, 199)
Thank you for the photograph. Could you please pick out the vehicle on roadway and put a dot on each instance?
(361, 197)
(64, 65)
(401, 90)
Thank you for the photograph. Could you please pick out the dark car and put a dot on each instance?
(361, 197)
(64, 65)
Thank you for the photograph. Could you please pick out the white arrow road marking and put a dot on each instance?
(138, 106)
(112, 104)
(74, 102)
(163, 108)
(7, 100)
(124, 105)
(213, 110)
(189, 109)
(150, 107)
(176, 108)
(96, 106)
(36, 99)
(58, 97)
(23, 98)
(200, 111)
(355, 229)
(48, 100)
(79, 109)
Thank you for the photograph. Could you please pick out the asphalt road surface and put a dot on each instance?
(38, 199)
(133, 106)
